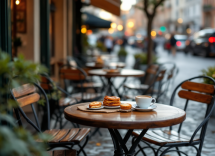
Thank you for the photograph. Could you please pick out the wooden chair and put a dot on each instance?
(29, 94)
(203, 93)
(78, 79)
(57, 106)
(154, 75)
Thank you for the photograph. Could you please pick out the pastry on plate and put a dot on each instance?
(95, 104)
(111, 101)
(125, 106)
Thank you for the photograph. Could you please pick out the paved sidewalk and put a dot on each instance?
(189, 66)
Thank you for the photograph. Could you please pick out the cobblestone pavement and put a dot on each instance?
(189, 66)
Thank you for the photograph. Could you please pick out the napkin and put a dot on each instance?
(103, 110)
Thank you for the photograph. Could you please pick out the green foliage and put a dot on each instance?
(142, 58)
(210, 71)
(122, 52)
(15, 140)
(101, 46)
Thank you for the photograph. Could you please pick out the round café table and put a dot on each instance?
(123, 73)
(93, 65)
(162, 116)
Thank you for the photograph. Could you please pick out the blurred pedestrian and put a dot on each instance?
(108, 44)
(124, 41)
(173, 44)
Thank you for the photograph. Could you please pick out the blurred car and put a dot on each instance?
(180, 43)
(204, 43)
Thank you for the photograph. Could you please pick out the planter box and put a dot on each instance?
(122, 58)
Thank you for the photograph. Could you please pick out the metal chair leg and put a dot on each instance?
(140, 149)
(178, 150)
(82, 147)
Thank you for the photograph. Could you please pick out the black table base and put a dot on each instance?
(111, 87)
(120, 143)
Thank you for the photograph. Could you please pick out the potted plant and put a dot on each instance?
(15, 140)
(122, 53)
(210, 71)
(141, 61)
(101, 46)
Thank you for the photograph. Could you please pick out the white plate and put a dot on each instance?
(95, 108)
(111, 107)
(150, 108)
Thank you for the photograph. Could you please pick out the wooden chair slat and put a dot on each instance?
(159, 137)
(169, 136)
(200, 87)
(83, 132)
(63, 153)
(70, 70)
(73, 132)
(45, 86)
(195, 96)
(44, 79)
(29, 99)
(60, 135)
(51, 132)
(176, 134)
(72, 77)
(23, 90)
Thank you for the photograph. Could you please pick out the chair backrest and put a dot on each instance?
(73, 73)
(199, 92)
(158, 78)
(28, 94)
(151, 73)
(46, 83)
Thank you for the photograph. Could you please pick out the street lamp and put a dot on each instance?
(153, 33)
(120, 27)
(130, 24)
(113, 25)
(83, 29)
(189, 30)
(111, 30)
(180, 20)
(17, 2)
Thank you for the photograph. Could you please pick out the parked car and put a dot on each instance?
(180, 43)
(204, 43)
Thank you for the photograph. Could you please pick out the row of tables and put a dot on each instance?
(162, 116)
(125, 73)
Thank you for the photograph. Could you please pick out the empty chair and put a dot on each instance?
(30, 94)
(172, 140)
(154, 76)
(77, 78)
(58, 98)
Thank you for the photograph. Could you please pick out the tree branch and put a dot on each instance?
(145, 3)
(156, 6)
(138, 7)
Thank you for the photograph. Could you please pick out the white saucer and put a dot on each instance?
(95, 108)
(111, 107)
(150, 108)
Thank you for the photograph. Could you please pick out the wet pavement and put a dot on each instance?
(189, 66)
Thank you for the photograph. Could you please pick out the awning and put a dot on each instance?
(112, 6)
(95, 22)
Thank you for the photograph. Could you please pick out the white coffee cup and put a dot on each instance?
(144, 101)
